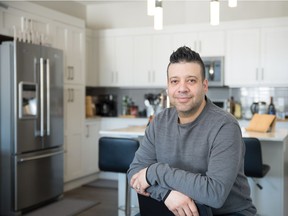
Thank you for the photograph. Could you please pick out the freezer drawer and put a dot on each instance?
(38, 178)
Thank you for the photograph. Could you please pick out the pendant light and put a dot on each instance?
(214, 12)
(158, 15)
(151, 7)
(232, 3)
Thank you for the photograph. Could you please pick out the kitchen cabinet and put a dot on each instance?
(72, 41)
(90, 147)
(116, 60)
(206, 43)
(74, 101)
(256, 57)
(74, 115)
(15, 22)
(151, 58)
(91, 58)
(72, 156)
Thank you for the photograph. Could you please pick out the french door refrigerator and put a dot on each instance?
(31, 132)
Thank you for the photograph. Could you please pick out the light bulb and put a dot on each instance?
(214, 12)
(158, 16)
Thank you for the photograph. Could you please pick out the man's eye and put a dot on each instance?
(174, 81)
(191, 80)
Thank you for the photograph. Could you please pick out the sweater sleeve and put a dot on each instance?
(213, 187)
(145, 157)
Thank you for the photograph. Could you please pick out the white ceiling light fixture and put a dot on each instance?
(232, 3)
(151, 7)
(158, 15)
(214, 12)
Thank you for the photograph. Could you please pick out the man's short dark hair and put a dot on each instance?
(185, 54)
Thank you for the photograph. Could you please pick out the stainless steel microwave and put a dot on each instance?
(214, 70)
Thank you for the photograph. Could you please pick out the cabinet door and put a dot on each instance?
(243, 56)
(75, 67)
(124, 61)
(143, 60)
(185, 39)
(74, 114)
(162, 50)
(211, 43)
(60, 39)
(9, 18)
(90, 148)
(107, 61)
(274, 56)
(91, 61)
(206, 43)
(72, 157)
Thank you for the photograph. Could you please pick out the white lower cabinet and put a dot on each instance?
(74, 116)
(90, 147)
(72, 157)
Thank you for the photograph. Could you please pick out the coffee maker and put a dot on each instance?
(106, 105)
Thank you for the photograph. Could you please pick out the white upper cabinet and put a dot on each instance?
(91, 59)
(72, 40)
(206, 43)
(151, 58)
(124, 60)
(274, 56)
(256, 57)
(242, 60)
(25, 26)
(116, 61)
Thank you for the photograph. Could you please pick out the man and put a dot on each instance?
(193, 152)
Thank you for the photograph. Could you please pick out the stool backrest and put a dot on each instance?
(116, 154)
(253, 165)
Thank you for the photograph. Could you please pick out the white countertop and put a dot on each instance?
(134, 131)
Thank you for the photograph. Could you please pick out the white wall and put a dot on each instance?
(127, 14)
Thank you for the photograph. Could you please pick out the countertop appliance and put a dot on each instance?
(214, 70)
(106, 105)
(31, 123)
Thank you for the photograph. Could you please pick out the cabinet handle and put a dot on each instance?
(69, 95)
(262, 73)
(70, 72)
(112, 77)
(88, 131)
(73, 95)
(149, 76)
(116, 77)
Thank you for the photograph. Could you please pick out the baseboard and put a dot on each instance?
(86, 179)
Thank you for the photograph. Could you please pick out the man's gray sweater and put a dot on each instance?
(203, 159)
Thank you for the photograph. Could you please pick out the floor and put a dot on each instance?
(108, 198)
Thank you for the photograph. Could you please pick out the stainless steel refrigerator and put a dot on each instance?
(31, 123)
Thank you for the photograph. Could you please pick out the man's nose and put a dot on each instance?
(182, 87)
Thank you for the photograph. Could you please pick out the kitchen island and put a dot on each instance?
(272, 199)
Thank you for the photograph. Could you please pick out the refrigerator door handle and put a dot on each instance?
(41, 97)
(48, 95)
(40, 156)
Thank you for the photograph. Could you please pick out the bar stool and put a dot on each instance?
(253, 164)
(116, 155)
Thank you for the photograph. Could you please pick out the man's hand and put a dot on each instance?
(139, 183)
(180, 204)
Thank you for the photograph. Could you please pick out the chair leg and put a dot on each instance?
(128, 199)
